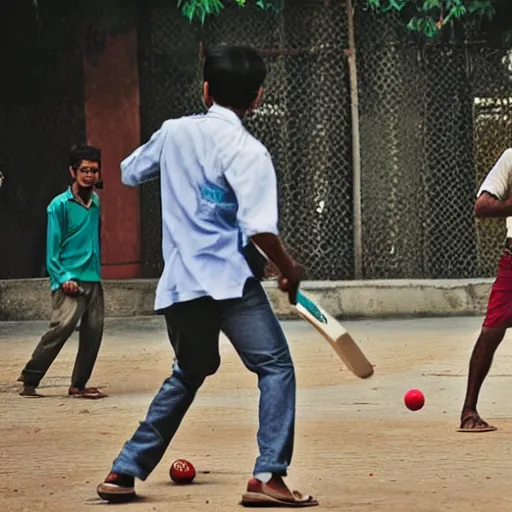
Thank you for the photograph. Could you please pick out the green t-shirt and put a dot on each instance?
(73, 240)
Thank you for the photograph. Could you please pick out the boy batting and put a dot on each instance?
(493, 201)
(218, 188)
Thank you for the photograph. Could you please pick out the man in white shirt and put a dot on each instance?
(493, 201)
(218, 189)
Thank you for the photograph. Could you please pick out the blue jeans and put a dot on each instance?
(194, 328)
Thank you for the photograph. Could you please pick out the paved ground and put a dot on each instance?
(357, 447)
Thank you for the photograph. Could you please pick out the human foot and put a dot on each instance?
(30, 391)
(471, 421)
(117, 488)
(90, 393)
(274, 493)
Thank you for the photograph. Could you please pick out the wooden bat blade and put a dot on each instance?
(339, 339)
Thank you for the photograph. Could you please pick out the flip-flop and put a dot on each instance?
(87, 393)
(115, 493)
(266, 496)
(476, 429)
(489, 428)
(259, 499)
(30, 393)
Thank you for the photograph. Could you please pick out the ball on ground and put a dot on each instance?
(182, 471)
(414, 399)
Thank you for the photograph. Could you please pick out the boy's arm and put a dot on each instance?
(493, 196)
(276, 252)
(143, 164)
(488, 206)
(253, 180)
(53, 244)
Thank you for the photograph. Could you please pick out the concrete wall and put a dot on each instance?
(28, 299)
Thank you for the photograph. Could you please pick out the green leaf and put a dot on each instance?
(201, 9)
(431, 4)
(429, 27)
(482, 8)
(452, 4)
(413, 24)
(458, 11)
(397, 4)
(270, 5)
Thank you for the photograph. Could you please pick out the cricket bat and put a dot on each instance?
(339, 339)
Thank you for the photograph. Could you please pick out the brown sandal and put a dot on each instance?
(90, 393)
(274, 494)
(472, 422)
(29, 391)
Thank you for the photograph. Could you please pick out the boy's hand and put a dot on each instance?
(290, 282)
(70, 288)
(291, 271)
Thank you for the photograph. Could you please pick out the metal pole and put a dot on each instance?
(356, 148)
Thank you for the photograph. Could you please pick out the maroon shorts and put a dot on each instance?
(499, 309)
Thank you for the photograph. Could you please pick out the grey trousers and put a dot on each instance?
(66, 313)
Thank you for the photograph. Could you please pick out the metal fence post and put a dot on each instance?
(356, 150)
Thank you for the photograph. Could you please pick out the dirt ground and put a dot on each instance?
(358, 448)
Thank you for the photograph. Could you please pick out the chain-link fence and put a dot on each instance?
(418, 155)
(433, 120)
(303, 120)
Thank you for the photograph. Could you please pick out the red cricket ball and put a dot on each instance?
(414, 399)
(182, 471)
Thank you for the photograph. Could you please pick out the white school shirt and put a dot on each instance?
(499, 182)
(218, 188)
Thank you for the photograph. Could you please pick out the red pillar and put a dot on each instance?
(113, 124)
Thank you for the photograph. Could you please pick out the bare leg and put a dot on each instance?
(479, 365)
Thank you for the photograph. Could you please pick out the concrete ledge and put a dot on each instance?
(28, 299)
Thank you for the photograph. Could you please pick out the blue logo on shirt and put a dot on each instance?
(219, 205)
(214, 194)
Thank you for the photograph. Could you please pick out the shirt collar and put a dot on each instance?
(69, 194)
(224, 113)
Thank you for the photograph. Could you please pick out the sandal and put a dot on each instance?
(117, 488)
(472, 422)
(90, 393)
(274, 494)
(29, 391)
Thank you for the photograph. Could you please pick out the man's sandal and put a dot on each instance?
(29, 391)
(90, 393)
(261, 494)
(474, 423)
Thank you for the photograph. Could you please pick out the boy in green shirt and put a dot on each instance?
(74, 265)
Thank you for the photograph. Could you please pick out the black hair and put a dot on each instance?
(81, 152)
(234, 74)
